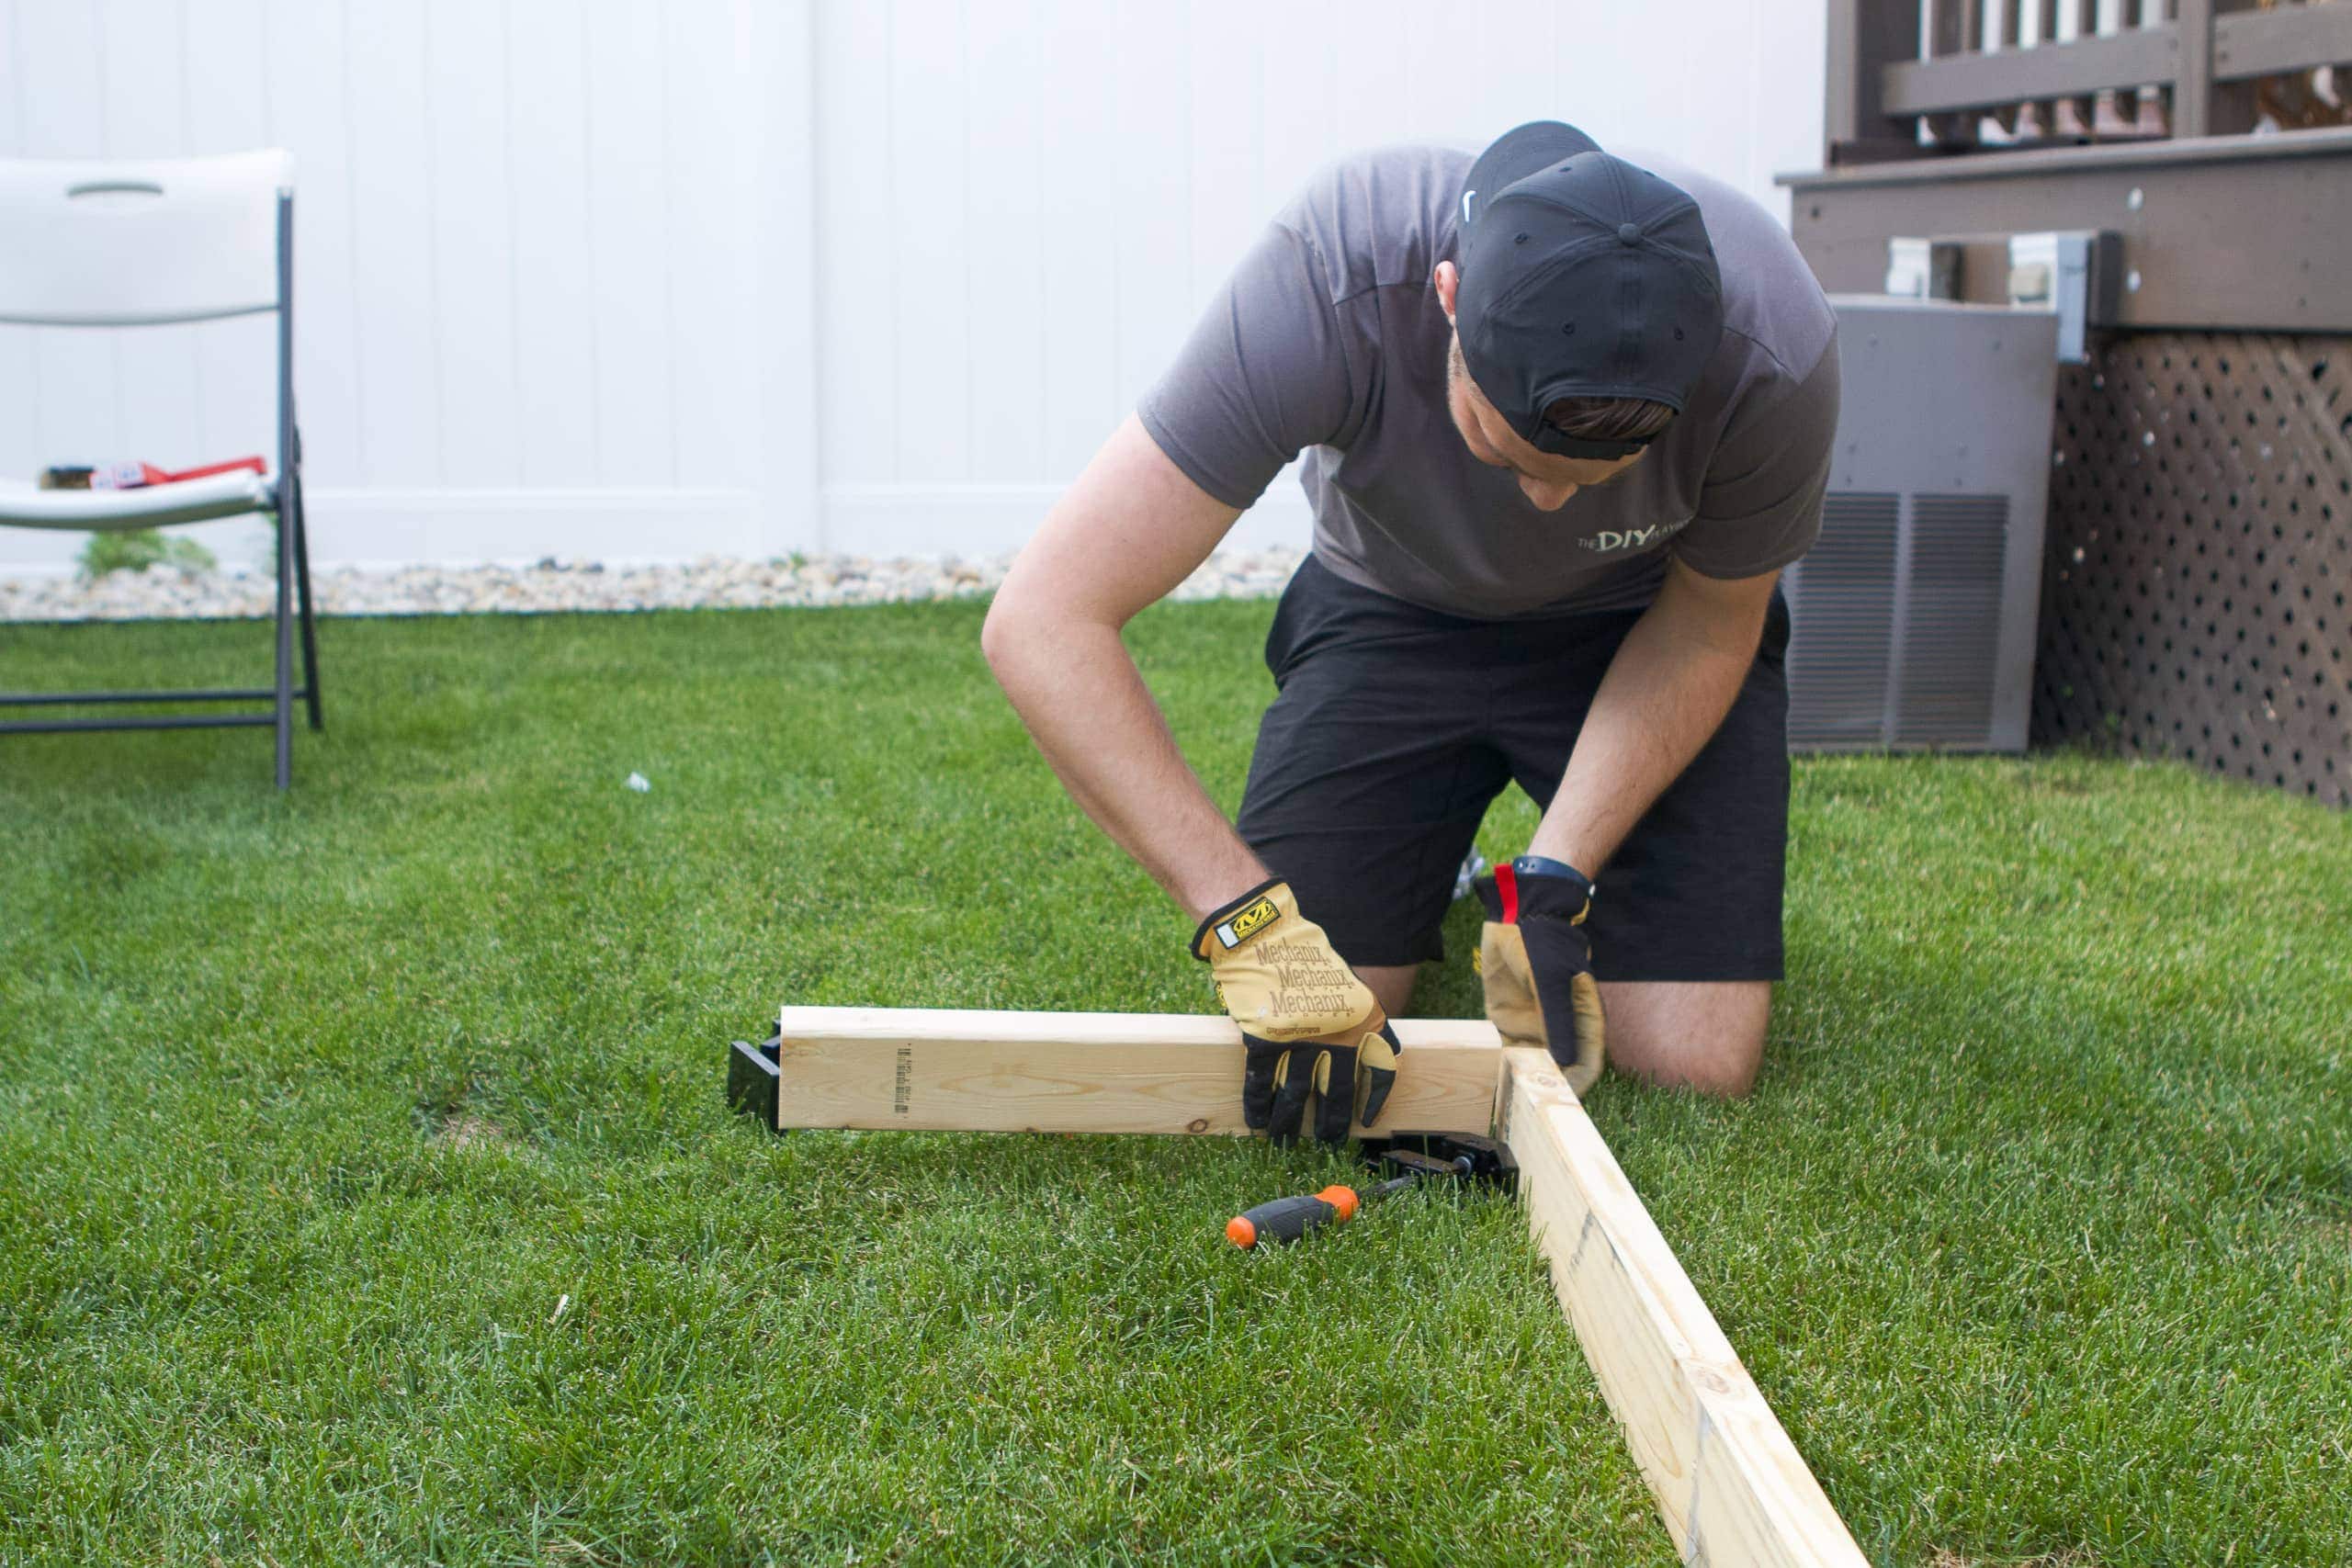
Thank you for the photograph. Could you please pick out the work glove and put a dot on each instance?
(1307, 1024)
(1537, 964)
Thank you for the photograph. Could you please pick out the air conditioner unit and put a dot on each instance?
(1914, 615)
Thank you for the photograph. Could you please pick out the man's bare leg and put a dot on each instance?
(1392, 983)
(1708, 1036)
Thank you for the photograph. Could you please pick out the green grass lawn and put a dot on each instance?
(366, 1190)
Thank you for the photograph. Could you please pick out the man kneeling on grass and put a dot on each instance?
(1564, 419)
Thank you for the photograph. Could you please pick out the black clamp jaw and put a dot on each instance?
(752, 1074)
(1463, 1155)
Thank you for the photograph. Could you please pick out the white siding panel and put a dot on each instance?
(1298, 76)
(20, 439)
(1606, 82)
(142, 102)
(931, 153)
(61, 97)
(1005, 382)
(704, 223)
(1226, 114)
(1150, 128)
(306, 69)
(1519, 51)
(394, 281)
(857, 265)
(628, 245)
(62, 106)
(1715, 94)
(1384, 63)
(145, 115)
(472, 213)
(546, 125)
(222, 68)
(776, 273)
(12, 84)
(1081, 171)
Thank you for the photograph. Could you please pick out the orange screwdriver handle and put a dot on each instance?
(1287, 1219)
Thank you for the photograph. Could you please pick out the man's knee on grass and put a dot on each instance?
(1708, 1038)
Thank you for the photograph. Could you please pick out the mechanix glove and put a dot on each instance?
(1308, 1024)
(1538, 964)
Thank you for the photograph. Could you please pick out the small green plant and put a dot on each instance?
(136, 549)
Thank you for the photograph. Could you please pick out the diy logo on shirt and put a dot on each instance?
(1609, 540)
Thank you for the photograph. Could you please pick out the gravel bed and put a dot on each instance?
(552, 585)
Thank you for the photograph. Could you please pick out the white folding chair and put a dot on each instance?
(130, 244)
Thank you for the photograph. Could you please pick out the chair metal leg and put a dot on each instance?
(289, 501)
(283, 713)
(303, 595)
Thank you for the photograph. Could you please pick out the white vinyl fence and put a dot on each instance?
(648, 279)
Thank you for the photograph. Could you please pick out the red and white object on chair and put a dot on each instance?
(131, 475)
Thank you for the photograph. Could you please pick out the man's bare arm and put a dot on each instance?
(1130, 529)
(1673, 680)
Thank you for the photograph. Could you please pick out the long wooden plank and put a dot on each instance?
(938, 1069)
(1729, 1483)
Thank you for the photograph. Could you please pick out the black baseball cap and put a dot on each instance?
(1582, 277)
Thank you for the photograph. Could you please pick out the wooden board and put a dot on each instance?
(925, 1068)
(1729, 1483)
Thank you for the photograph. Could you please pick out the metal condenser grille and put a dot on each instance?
(1841, 650)
(1951, 639)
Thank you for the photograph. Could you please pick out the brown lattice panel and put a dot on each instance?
(2193, 596)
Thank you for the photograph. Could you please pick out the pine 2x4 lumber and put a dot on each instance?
(942, 1070)
(1728, 1481)
(1729, 1485)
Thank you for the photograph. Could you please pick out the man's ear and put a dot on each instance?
(1448, 278)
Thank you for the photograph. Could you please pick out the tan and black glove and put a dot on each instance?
(1308, 1024)
(1537, 964)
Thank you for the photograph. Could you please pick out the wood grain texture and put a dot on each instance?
(937, 1069)
(1728, 1482)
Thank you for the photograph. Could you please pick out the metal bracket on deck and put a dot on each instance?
(2076, 274)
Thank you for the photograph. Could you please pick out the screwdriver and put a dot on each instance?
(1287, 1219)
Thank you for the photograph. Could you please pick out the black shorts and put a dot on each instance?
(1396, 726)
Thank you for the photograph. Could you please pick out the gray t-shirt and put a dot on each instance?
(1329, 339)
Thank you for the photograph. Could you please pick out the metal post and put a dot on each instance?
(1865, 37)
(2192, 82)
(286, 466)
(2069, 118)
(2022, 120)
(303, 590)
(2201, 105)
(1955, 26)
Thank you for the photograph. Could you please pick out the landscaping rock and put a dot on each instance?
(554, 584)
